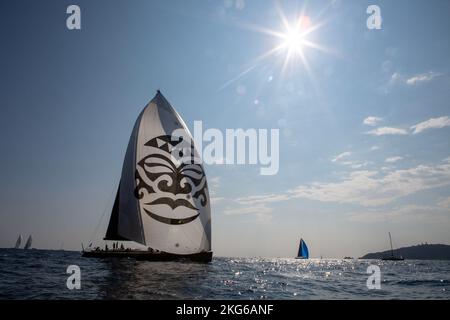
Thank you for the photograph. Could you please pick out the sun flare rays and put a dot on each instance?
(293, 42)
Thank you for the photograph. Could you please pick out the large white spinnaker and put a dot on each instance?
(163, 199)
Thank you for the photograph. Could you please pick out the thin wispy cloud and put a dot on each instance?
(382, 131)
(261, 212)
(214, 186)
(368, 188)
(256, 205)
(393, 159)
(247, 210)
(215, 200)
(359, 165)
(214, 181)
(341, 156)
(372, 121)
(410, 81)
(388, 84)
(421, 78)
(395, 78)
(354, 164)
(433, 123)
(262, 199)
(372, 188)
(425, 214)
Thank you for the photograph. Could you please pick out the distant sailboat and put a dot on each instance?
(392, 257)
(29, 242)
(18, 242)
(162, 200)
(303, 252)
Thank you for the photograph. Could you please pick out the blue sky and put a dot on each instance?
(364, 130)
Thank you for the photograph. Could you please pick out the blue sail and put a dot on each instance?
(303, 251)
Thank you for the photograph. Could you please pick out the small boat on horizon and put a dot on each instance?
(28, 243)
(18, 242)
(303, 252)
(392, 257)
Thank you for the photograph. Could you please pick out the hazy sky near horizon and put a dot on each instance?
(364, 125)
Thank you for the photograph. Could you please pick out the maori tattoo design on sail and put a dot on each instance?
(169, 176)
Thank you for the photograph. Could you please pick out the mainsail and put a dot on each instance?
(28, 244)
(162, 200)
(18, 242)
(303, 251)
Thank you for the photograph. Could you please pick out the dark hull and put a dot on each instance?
(149, 256)
(392, 259)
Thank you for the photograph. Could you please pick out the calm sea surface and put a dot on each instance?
(40, 274)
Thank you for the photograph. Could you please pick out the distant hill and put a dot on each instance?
(419, 252)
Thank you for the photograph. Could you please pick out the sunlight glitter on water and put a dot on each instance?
(42, 275)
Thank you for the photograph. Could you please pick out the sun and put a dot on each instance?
(294, 39)
(293, 44)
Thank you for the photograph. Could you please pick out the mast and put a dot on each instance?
(392, 248)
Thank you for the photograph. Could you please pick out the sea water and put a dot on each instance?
(42, 274)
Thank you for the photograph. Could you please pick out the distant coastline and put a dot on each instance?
(417, 252)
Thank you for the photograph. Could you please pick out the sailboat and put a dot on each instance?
(28, 243)
(18, 242)
(162, 200)
(303, 252)
(392, 257)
